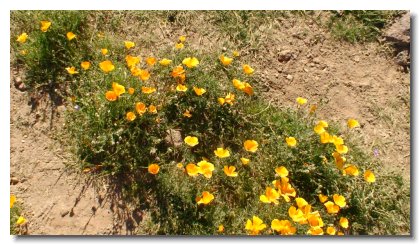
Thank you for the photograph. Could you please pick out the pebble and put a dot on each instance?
(64, 213)
(289, 77)
(22, 87)
(14, 180)
(23, 141)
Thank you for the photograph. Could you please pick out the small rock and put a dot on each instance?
(399, 32)
(356, 58)
(22, 87)
(25, 136)
(403, 58)
(285, 55)
(18, 81)
(61, 108)
(14, 181)
(64, 213)
(289, 77)
(23, 141)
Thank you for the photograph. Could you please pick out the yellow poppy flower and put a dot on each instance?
(179, 46)
(70, 35)
(314, 219)
(323, 123)
(45, 25)
(12, 200)
(301, 101)
(296, 215)
(118, 88)
(339, 200)
(337, 140)
(165, 62)
(221, 229)
(319, 129)
(129, 44)
(271, 196)
(21, 220)
(192, 169)
(251, 145)
(221, 101)
(255, 226)
(322, 198)
(248, 89)
(187, 114)
(282, 171)
(199, 91)
(151, 61)
(331, 230)
(141, 108)
(71, 70)
(222, 153)
(182, 39)
(106, 66)
(351, 170)
(130, 91)
(190, 62)
(301, 202)
(206, 168)
(235, 53)
(180, 166)
(104, 51)
(191, 140)
(340, 233)
(135, 71)
(24, 52)
(315, 231)
(284, 227)
(152, 109)
(229, 99)
(131, 116)
(22, 37)
(352, 123)
(291, 141)
(153, 168)
(238, 84)
(147, 90)
(342, 149)
(206, 198)
(85, 65)
(111, 96)
(144, 75)
(230, 171)
(178, 71)
(132, 60)
(369, 176)
(339, 162)
(247, 69)
(325, 137)
(344, 222)
(313, 109)
(225, 60)
(331, 207)
(244, 160)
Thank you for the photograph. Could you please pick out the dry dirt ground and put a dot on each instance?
(297, 57)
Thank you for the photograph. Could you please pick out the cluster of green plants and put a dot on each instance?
(17, 221)
(191, 140)
(360, 25)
